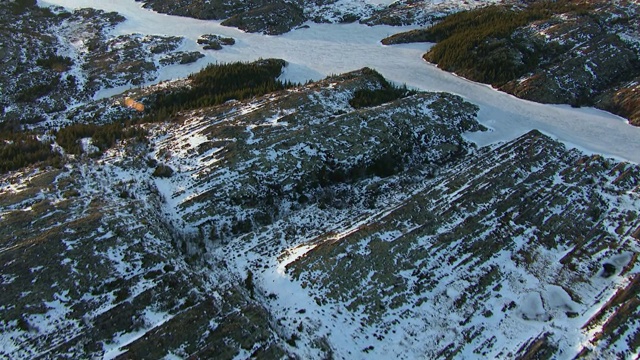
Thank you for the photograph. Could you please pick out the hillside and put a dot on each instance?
(578, 53)
(54, 60)
(280, 16)
(392, 232)
(231, 213)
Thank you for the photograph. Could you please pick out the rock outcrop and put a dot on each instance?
(276, 17)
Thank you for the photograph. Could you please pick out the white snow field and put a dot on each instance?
(324, 49)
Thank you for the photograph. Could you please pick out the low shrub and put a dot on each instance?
(163, 171)
(55, 62)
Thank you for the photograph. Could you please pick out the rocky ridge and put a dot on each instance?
(264, 155)
(87, 270)
(299, 224)
(294, 221)
(514, 236)
(418, 12)
(597, 65)
(123, 275)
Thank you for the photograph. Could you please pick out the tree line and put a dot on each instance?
(214, 85)
(102, 136)
(478, 43)
(373, 97)
(218, 83)
(20, 149)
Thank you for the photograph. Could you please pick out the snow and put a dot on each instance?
(55, 318)
(558, 298)
(324, 49)
(87, 146)
(314, 53)
(6, 279)
(620, 260)
(291, 256)
(196, 140)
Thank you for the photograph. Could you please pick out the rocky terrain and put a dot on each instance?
(231, 215)
(597, 63)
(461, 266)
(215, 42)
(583, 55)
(91, 269)
(419, 12)
(269, 17)
(280, 16)
(54, 59)
(126, 241)
(297, 225)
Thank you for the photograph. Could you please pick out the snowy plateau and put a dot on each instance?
(449, 220)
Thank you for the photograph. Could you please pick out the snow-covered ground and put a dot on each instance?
(314, 53)
(324, 49)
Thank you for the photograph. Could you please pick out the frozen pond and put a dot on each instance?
(324, 49)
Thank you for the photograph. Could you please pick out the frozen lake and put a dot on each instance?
(324, 49)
